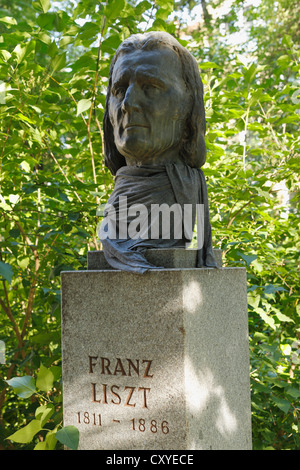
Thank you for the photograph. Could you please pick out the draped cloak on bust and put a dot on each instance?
(152, 186)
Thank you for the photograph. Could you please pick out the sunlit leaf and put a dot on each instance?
(44, 380)
(44, 412)
(58, 62)
(27, 433)
(23, 386)
(8, 20)
(83, 105)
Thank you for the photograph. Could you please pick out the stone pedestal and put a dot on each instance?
(157, 361)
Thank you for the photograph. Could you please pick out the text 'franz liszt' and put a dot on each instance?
(116, 394)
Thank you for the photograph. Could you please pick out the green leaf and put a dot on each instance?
(44, 412)
(266, 318)
(45, 4)
(6, 271)
(44, 379)
(69, 436)
(23, 263)
(13, 198)
(5, 55)
(41, 446)
(293, 392)
(89, 31)
(27, 433)
(283, 60)
(58, 62)
(257, 265)
(114, 8)
(56, 370)
(23, 386)
(25, 166)
(248, 258)
(111, 43)
(66, 40)
(270, 289)
(141, 7)
(208, 65)
(283, 404)
(259, 337)
(20, 52)
(45, 20)
(25, 118)
(288, 41)
(63, 196)
(8, 20)
(253, 299)
(281, 316)
(164, 12)
(250, 72)
(49, 442)
(44, 38)
(83, 105)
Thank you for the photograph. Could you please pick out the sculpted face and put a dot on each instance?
(148, 106)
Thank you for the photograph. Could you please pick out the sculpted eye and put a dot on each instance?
(149, 87)
(119, 92)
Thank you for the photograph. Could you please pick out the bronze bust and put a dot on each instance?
(154, 128)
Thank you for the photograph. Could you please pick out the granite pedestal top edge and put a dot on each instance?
(154, 270)
(168, 258)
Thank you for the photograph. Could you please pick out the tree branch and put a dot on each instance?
(9, 314)
(237, 212)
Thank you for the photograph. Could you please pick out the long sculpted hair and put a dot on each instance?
(193, 150)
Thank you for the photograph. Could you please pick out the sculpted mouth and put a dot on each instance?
(132, 125)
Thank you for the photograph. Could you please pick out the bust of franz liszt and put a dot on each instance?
(154, 111)
(154, 128)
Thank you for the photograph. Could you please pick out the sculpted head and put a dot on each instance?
(154, 111)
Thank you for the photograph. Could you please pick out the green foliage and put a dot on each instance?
(54, 64)
(253, 158)
(69, 436)
(48, 414)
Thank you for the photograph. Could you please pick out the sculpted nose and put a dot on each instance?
(131, 101)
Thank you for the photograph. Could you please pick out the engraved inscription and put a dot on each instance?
(113, 393)
(141, 425)
(125, 367)
(116, 395)
(89, 418)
